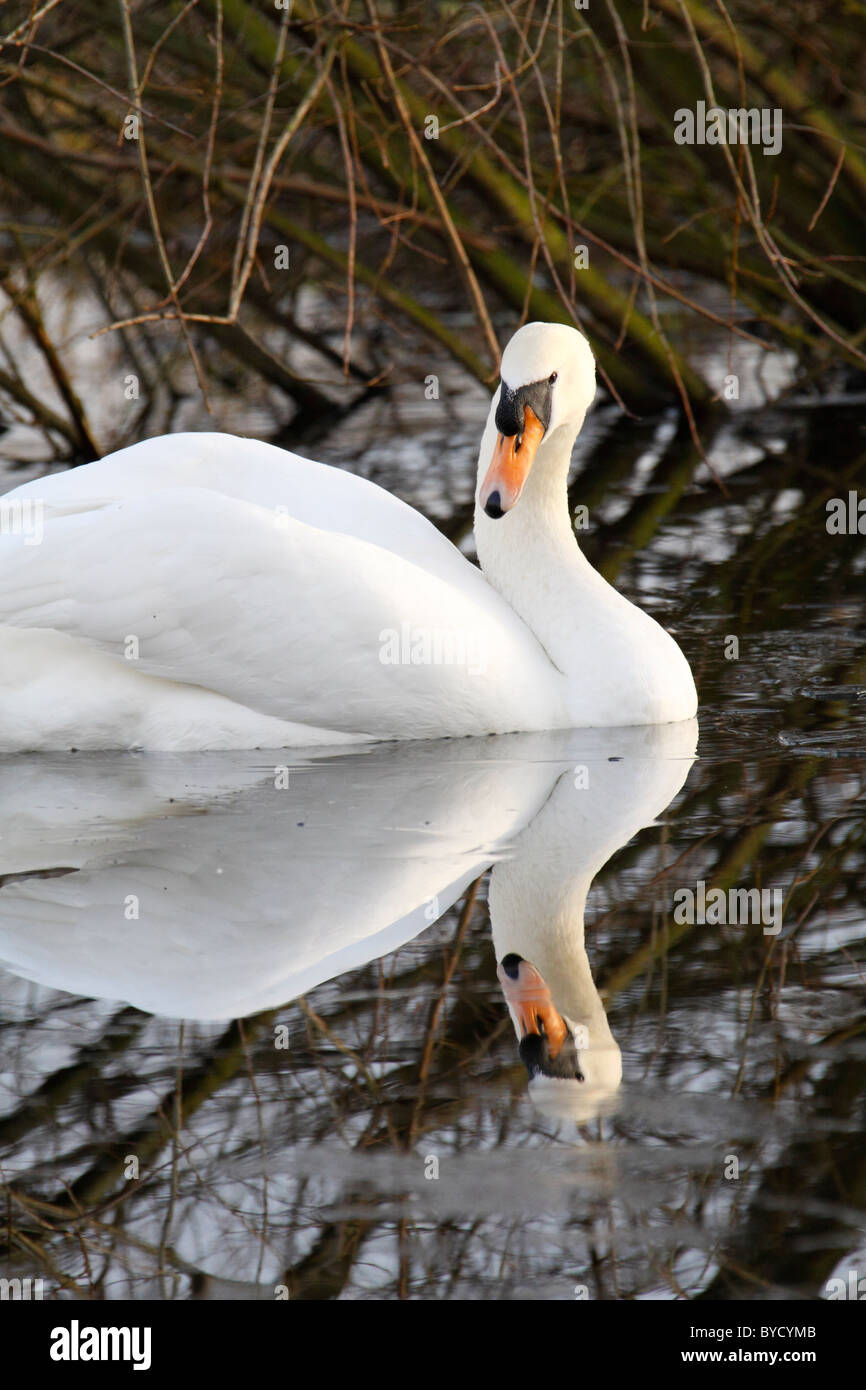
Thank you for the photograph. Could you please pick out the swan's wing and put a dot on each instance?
(249, 471)
(303, 624)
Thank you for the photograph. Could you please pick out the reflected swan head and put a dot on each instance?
(572, 1073)
(547, 384)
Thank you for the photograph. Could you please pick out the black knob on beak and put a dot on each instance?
(511, 965)
(493, 506)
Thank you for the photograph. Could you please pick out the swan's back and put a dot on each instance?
(249, 470)
(208, 591)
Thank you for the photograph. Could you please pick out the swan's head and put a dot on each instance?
(572, 1074)
(547, 384)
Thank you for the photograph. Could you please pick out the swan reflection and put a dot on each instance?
(216, 885)
(616, 785)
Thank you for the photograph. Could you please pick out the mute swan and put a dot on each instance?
(204, 591)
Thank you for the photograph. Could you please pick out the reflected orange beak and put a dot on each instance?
(531, 1005)
(510, 465)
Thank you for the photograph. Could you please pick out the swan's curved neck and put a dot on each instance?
(531, 554)
(611, 654)
(547, 928)
(541, 516)
(538, 899)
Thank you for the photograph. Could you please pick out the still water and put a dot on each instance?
(255, 1043)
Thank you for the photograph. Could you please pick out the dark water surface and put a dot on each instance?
(368, 1129)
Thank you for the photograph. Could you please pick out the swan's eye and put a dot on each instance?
(553, 376)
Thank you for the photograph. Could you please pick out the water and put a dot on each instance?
(254, 1039)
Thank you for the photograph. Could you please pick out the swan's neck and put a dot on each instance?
(538, 901)
(545, 925)
(612, 655)
(538, 897)
(532, 557)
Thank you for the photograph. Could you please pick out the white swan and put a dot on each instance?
(204, 591)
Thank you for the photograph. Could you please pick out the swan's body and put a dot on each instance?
(206, 591)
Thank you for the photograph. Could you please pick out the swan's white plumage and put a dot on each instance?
(234, 595)
(201, 590)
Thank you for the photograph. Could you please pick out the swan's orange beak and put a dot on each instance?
(531, 1003)
(510, 465)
